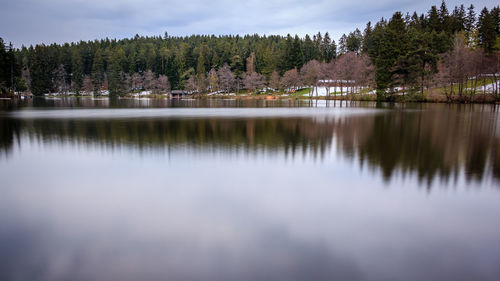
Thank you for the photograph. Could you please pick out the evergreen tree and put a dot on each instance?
(4, 65)
(98, 71)
(470, 25)
(309, 49)
(393, 46)
(433, 20)
(495, 14)
(367, 33)
(200, 67)
(297, 54)
(354, 41)
(77, 70)
(41, 70)
(444, 18)
(287, 59)
(327, 53)
(342, 45)
(460, 19)
(317, 40)
(333, 49)
(486, 28)
(10, 71)
(115, 72)
(237, 65)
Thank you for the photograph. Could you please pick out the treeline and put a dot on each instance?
(405, 54)
(10, 74)
(121, 65)
(408, 51)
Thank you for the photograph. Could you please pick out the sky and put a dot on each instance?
(25, 22)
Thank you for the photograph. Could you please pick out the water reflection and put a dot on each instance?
(88, 102)
(242, 193)
(434, 142)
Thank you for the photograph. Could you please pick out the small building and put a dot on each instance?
(24, 95)
(178, 94)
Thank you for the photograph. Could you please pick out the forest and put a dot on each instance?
(452, 55)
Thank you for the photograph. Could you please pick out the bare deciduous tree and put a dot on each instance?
(105, 81)
(493, 67)
(88, 85)
(346, 71)
(251, 63)
(328, 76)
(457, 67)
(26, 76)
(340, 72)
(201, 82)
(149, 78)
(162, 84)
(137, 81)
(253, 81)
(274, 80)
(226, 78)
(290, 80)
(364, 72)
(60, 76)
(191, 85)
(310, 74)
(213, 80)
(127, 82)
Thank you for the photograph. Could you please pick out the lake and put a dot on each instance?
(98, 189)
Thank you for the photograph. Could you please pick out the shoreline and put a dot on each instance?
(478, 99)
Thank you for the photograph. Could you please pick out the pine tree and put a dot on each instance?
(486, 31)
(470, 25)
(433, 20)
(237, 65)
(354, 41)
(333, 49)
(342, 45)
(326, 48)
(115, 72)
(297, 54)
(367, 40)
(10, 69)
(495, 14)
(309, 49)
(41, 69)
(444, 18)
(200, 67)
(393, 46)
(287, 59)
(77, 71)
(98, 71)
(317, 39)
(4, 66)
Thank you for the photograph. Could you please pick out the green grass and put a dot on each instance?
(365, 91)
(469, 85)
(302, 92)
(243, 92)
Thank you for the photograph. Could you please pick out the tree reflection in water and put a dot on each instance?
(433, 142)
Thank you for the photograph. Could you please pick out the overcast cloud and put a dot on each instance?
(47, 21)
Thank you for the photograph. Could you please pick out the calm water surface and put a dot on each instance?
(248, 190)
